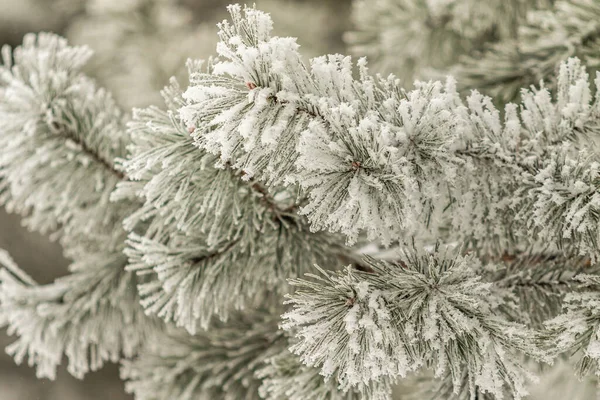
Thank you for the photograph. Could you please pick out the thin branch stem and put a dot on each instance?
(98, 159)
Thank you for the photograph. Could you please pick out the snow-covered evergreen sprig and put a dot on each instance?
(90, 316)
(577, 330)
(534, 285)
(428, 310)
(245, 358)
(250, 176)
(374, 158)
(215, 240)
(59, 137)
(285, 377)
(216, 364)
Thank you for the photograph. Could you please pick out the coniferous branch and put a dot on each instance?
(285, 377)
(553, 197)
(58, 138)
(247, 109)
(536, 282)
(193, 283)
(224, 188)
(373, 157)
(216, 239)
(91, 316)
(576, 331)
(282, 104)
(218, 363)
(71, 134)
(559, 378)
(432, 311)
(245, 358)
(444, 389)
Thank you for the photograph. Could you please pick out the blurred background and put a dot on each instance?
(138, 45)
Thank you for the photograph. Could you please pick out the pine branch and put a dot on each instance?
(219, 363)
(373, 158)
(92, 316)
(432, 311)
(214, 234)
(285, 377)
(245, 358)
(575, 331)
(537, 282)
(71, 136)
(58, 138)
(273, 206)
(245, 181)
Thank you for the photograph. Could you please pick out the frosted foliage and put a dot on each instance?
(360, 345)
(237, 275)
(202, 214)
(377, 159)
(285, 377)
(215, 240)
(260, 126)
(90, 316)
(571, 114)
(360, 166)
(215, 364)
(431, 310)
(536, 283)
(59, 137)
(552, 174)
(577, 328)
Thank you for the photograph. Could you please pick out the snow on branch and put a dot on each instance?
(285, 377)
(59, 137)
(219, 363)
(374, 158)
(576, 330)
(92, 316)
(262, 168)
(244, 358)
(535, 284)
(427, 310)
(216, 240)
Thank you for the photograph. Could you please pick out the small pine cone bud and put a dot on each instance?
(251, 85)
(191, 129)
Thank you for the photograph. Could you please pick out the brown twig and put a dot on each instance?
(109, 166)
